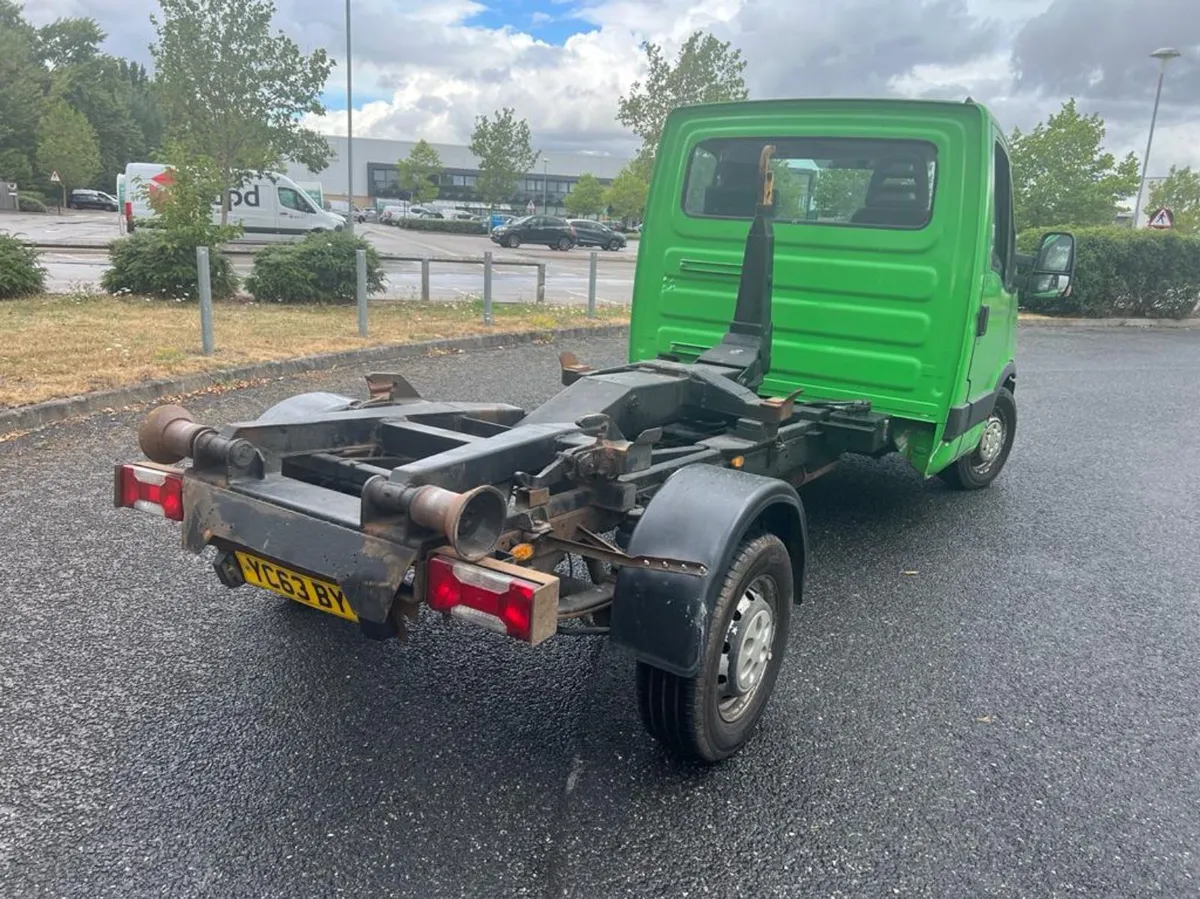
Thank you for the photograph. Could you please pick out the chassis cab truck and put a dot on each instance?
(815, 278)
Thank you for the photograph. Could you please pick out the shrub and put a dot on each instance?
(447, 226)
(20, 272)
(162, 262)
(321, 268)
(26, 203)
(1125, 272)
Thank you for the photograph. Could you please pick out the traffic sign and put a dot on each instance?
(1162, 218)
(54, 177)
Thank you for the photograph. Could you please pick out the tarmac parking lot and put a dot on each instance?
(567, 273)
(986, 695)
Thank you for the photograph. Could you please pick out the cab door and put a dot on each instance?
(996, 318)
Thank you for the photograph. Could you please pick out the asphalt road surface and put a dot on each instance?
(985, 695)
(567, 274)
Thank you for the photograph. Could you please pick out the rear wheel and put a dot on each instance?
(983, 464)
(711, 716)
(564, 243)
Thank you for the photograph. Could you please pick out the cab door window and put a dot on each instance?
(1004, 236)
(290, 199)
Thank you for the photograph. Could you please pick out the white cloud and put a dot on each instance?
(427, 69)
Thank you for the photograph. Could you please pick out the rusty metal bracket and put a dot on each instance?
(572, 368)
(388, 387)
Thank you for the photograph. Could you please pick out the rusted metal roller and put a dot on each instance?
(168, 433)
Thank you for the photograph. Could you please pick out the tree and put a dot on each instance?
(586, 198)
(23, 84)
(706, 70)
(791, 192)
(838, 193)
(69, 42)
(504, 147)
(234, 93)
(1062, 176)
(627, 195)
(67, 144)
(100, 89)
(419, 171)
(1179, 192)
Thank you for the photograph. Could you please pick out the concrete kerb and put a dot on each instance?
(1049, 321)
(39, 415)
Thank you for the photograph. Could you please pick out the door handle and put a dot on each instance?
(981, 322)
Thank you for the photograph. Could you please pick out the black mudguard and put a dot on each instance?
(700, 514)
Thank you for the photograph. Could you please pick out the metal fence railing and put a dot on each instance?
(488, 262)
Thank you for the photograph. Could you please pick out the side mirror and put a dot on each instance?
(1053, 268)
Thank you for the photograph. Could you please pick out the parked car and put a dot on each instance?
(391, 215)
(554, 232)
(598, 234)
(92, 199)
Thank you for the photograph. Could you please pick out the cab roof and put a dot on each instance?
(835, 108)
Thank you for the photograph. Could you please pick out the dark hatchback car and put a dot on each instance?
(598, 234)
(92, 199)
(554, 232)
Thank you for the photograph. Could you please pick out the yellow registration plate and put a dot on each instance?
(310, 591)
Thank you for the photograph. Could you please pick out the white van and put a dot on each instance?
(271, 205)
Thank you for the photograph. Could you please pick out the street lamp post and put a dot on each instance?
(349, 131)
(545, 186)
(1164, 56)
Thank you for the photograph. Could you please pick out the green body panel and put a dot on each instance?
(884, 315)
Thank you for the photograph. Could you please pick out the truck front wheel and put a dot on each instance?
(981, 466)
(710, 717)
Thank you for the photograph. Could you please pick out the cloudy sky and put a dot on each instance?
(426, 68)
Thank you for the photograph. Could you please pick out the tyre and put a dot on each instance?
(614, 245)
(710, 717)
(983, 464)
(564, 243)
(512, 242)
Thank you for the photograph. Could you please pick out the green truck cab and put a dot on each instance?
(895, 278)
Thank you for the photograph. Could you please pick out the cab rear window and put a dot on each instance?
(819, 181)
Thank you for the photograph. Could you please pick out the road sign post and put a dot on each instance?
(54, 179)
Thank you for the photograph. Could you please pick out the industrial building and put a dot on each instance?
(376, 179)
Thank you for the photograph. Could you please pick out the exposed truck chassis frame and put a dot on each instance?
(656, 474)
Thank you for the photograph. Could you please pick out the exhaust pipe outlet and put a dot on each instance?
(471, 521)
(168, 434)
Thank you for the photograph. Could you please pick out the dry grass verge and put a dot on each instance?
(56, 346)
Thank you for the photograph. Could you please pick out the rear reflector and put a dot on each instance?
(149, 488)
(521, 603)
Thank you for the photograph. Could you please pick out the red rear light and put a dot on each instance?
(148, 488)
(493, 597)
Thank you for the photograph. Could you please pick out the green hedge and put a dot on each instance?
(1126, 273)
(448, 226)
(20, 272)
(321, 268)
(27, 203)
(162, 263)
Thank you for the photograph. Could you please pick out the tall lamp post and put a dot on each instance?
(349, 131)
(1164, 56)
(545, 186)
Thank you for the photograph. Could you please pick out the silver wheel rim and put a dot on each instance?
(748, 650)
(991, 444)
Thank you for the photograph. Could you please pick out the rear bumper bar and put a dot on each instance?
(369, 569)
